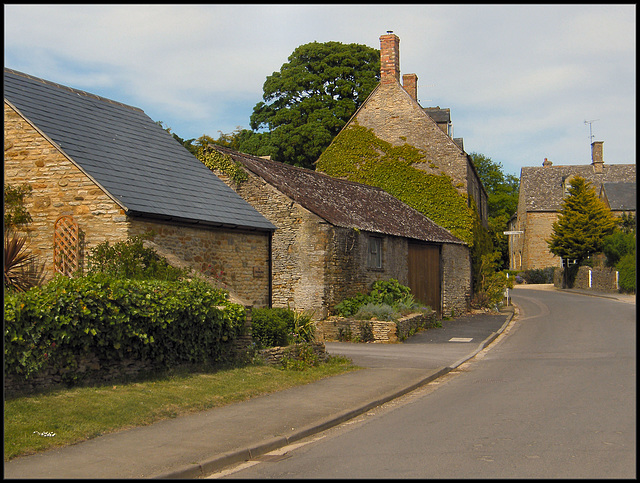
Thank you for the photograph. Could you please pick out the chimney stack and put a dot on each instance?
(389, 58)
(596, 157)
(410, 84)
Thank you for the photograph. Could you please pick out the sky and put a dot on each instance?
(523, 82)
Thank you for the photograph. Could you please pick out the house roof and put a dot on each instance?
(139, 164)
(543, 187)
(345, 203)
(621, 196)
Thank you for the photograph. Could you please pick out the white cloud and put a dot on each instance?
(520, 79)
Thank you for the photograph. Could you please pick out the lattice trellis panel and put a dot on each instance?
(66, 246)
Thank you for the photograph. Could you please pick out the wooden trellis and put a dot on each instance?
(66, 246)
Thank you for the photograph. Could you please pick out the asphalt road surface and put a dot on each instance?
(553, 397)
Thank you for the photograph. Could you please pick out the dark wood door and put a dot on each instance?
(424, 274)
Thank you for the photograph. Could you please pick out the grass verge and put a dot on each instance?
(79, 414)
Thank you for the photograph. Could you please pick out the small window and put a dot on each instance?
(375, 252)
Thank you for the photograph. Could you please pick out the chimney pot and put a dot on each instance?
(389, 58)
(597, 160)
(410, 84)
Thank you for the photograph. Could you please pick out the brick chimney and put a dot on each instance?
(546, 163)
(596, 157)
(410, 84)
(389, 58)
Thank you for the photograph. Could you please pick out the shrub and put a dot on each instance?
(626, 267)
(279, 327)
(350, 306)
(617, 245)
(270, 327)
(383, 293)
(22, 270)
(538, 275)
(376, 311)
(132, 260)
(165, 323)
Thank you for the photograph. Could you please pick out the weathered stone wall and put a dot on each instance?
(299, 246)
(601, 279)
(535, 249)
(274, 356)
(236, 261)
(345, 328)
(347, 264)
(456, 278)
(61, 188)
(398, 119)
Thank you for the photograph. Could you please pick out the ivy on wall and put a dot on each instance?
(215, 160)
(358, 155)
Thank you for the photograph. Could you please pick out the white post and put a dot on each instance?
(589, 277)
(617, 286)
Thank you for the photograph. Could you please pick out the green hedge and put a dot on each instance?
(164, 323)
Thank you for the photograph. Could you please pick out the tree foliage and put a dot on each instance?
(583, 223)
(16, 214)
(310, 99)
(502, 201)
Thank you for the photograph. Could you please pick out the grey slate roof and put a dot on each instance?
(139, 164)
(344, 203)
(621, 196)
(542, 187)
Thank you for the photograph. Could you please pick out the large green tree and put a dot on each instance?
(502, 201)
(309, 100)
(583, 223)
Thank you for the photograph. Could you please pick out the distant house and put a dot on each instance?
(542, 190)
(104, 171)
(334, 238)
(393, 113)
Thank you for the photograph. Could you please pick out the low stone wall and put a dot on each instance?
(89, 371)
(343, 328)
(274, 355)
(603, 279)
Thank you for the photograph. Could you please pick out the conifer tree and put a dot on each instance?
(582, 224)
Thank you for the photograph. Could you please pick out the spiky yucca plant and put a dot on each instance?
(21, 268)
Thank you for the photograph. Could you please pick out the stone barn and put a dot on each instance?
(102, 170)
(334, 238)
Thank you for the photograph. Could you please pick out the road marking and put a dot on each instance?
(461, 339)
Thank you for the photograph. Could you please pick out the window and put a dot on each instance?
(375, 252)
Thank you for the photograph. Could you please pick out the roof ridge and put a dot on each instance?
(290, 166)
(71, 89)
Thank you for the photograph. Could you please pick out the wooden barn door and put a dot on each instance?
(424, 274)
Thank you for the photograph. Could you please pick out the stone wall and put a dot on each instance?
(347, 264)
(274, 356)
(349, 329)
(233, 260)
(61, 188)
(535, 249)
(600, 279)
(456, 279)
(396, 118)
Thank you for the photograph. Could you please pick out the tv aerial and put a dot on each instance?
(591, 136)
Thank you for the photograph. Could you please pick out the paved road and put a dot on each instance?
(555, 398)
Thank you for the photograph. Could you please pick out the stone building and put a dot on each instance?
(104, 171)
(394, 115)
(542, 190)
(334, 238)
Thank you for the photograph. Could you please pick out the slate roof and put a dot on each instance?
(542, 186)
(621, 196)
(140, 165)
(344, 203)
